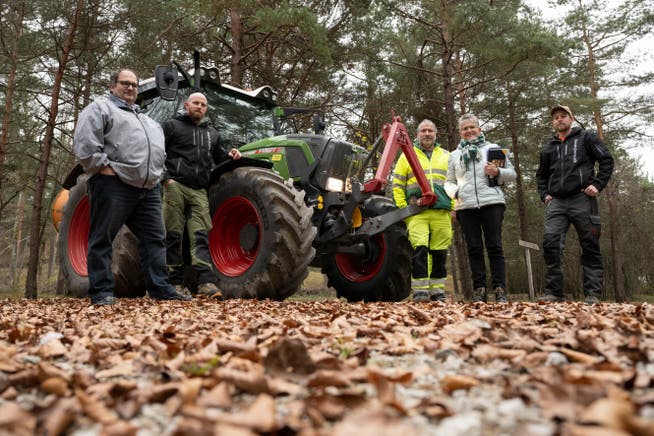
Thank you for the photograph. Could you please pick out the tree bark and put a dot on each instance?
(16, 264)
(515, 146)
(449, 71)
(614, 222)
(31, 285)
(52, 255)
(9, 94)
(236, 62)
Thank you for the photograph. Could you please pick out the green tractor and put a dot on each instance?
(292, 201)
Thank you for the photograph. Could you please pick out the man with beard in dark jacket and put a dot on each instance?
(192, 146)
(568, 185)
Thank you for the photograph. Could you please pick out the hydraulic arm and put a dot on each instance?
(396, 137)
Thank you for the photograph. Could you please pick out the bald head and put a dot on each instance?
(196, 106)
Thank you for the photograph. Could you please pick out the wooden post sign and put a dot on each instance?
(530, 277)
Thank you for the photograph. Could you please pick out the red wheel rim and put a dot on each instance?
(359, 270)
(234, 240)
(78, 237)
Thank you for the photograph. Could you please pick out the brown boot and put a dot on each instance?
(182, 290)
(210, 290)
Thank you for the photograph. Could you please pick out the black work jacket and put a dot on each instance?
(567, 167)
(191, 151)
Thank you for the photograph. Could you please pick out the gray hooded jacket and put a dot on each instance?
(112, 133)
(469, 186)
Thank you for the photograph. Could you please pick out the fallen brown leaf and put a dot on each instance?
(14, 420)
(323, 367)
(453, 382)
(55, 385)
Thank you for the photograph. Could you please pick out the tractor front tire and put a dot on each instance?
(73, 249)
(384, 274)
(261, 240)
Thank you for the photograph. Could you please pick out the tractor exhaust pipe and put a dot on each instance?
(196, 66)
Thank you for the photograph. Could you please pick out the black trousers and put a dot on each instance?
(581, 211)
(114, 203)
(484, 226)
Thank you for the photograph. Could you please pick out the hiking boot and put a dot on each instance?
(210, 290)
(108, 300)
(421, 296)
(479, 295)
(591, 299)
(438, 296)
(172, 295)
(551, 298)
(500, 295)
(182, 290)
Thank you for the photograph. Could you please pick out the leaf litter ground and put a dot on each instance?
(243, 367)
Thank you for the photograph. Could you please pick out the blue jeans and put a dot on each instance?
(114, 203)
(486, 220)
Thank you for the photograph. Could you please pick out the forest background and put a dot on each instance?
(357, 60)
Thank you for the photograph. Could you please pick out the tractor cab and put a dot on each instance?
(243, 116)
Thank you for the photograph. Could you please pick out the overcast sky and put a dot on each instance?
(640, 56)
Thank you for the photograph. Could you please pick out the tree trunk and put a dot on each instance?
(52, 255)
(614, 222)
(16, 264)
(616, 245)
(31, 286)
(236, 63)
(515, 146)
(9, 93)
(447, 58)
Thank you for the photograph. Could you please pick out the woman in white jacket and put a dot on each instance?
(474, 181)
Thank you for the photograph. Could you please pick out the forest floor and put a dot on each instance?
(242, 367)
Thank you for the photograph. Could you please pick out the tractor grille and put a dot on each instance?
(342, 160)
(338, 160)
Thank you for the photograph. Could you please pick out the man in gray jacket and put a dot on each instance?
(122, 151)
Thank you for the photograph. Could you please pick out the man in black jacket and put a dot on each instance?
(192, 146)
(568, 185)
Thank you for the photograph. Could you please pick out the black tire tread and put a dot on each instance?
(393, 282)
(286, 249)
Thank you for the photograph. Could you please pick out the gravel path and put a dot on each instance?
(325, 367)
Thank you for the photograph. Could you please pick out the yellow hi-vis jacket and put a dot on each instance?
(405, 184)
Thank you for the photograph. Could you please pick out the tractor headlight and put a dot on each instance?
(334, 184)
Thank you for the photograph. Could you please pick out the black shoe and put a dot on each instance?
(479, 295)
(170, 296)
(108, 300)
(551, 298)
(421, 296)
(438, 296)
(591, 299)
(500, 295)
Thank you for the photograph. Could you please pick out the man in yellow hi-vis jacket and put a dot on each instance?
(430, 232)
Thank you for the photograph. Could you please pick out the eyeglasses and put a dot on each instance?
(128, 84)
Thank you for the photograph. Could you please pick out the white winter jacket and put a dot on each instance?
(469, 187)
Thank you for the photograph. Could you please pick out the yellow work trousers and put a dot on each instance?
(430, 234)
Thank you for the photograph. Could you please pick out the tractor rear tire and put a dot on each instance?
(385, 273)
(261, 240)
(73, 248)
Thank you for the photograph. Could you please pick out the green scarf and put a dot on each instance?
(470, 151)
